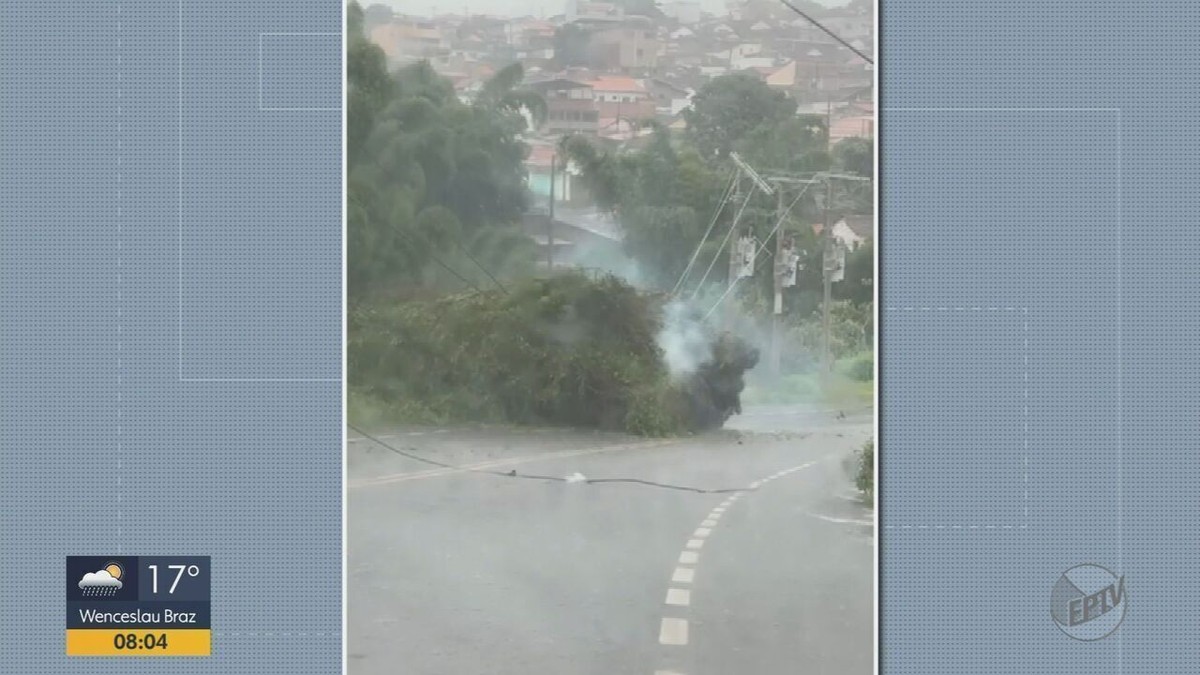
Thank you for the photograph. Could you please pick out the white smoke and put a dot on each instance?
(683, 339)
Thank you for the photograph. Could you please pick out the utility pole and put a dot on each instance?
(735, 255)
(828, 125)
(827, 277)
(550, 222)
(777, 316)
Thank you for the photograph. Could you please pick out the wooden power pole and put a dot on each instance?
(777, 315)
(827, 259)
(550, 222)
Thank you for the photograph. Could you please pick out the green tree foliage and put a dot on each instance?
(864, 477)
(665, 198)
(857, 284)
(427, 173)
(727, 109)
(792, 144)
(564, 350)
(855, 155)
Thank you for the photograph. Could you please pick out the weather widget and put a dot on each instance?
(138, 606)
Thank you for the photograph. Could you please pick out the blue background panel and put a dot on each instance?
(1043, 155)
(146, 410)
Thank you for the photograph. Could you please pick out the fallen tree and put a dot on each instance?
(567, 350)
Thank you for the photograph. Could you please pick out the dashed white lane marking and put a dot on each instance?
(680, 597)
(673, 632)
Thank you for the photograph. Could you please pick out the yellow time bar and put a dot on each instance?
(138, 642)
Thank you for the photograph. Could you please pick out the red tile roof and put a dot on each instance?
(617, 83)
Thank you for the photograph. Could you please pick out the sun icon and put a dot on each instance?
(114, 570)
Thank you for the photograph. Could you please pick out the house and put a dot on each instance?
(620, 97)
(631, 45)
(579, 234)
(570, 106)
(407, 39)
(542, 160)
(581, 9)
(528, 33)
(669, 99)
(851, 231)
(783, 77)
(686, 12)
(850, 25)
(854, 126)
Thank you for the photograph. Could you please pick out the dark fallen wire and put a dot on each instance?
(531, 476)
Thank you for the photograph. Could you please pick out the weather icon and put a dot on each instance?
(102, 582)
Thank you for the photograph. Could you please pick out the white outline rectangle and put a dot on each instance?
(1120, 262)
(1024, 415)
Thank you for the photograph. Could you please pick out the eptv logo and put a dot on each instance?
(1088, 602)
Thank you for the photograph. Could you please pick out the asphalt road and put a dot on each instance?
(459, 572)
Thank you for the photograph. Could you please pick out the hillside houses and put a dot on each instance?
(606, 72)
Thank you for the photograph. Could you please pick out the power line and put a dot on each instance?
(695, 255)
(481, 267)
(729, 234)
(451, 271)
(828, 32)
(760, 250)
(532, 476)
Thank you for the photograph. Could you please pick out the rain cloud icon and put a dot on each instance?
(102, 582)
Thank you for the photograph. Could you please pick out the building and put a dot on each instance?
(850, 25)
(851, 231)
(570, 106)
(686, 12)
(629, 46)
(622, 98)
(669, 99)
(582, 9)
(406, 39)
(855, 126)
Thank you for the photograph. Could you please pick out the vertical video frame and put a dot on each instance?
(610, 337)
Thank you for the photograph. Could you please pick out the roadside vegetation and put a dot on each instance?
(864, 479)
(568, 350)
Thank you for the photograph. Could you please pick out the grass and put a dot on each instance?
(364, 409)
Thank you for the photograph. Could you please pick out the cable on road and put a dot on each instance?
(531, 476)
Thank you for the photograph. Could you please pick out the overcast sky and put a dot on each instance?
(516, 7)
